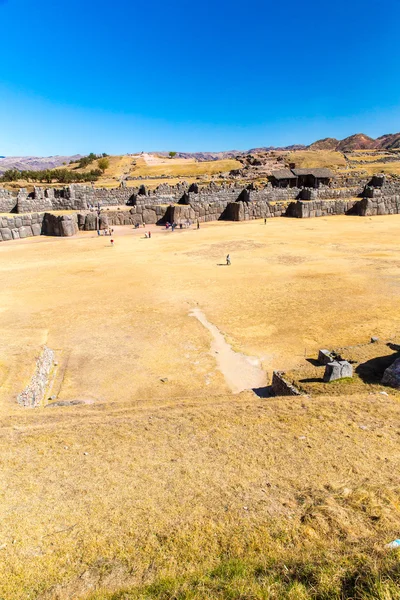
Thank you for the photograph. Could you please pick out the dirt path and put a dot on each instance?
(241, 372)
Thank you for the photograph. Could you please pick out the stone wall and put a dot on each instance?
(23, 226)
(281, 387)
(60, 225)
(8, 201)
(244, 211)
(328, 193)
(379, 205)
(83, 197)
(146, 213)
(198, 211)
(321, 208)
(182, 203)
(18, 227)
(37, 201)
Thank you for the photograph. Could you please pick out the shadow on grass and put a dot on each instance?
(264, 392)
(314, 362)
(372, 370)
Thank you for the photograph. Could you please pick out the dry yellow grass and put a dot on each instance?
(368, 157)
(158, 480)
(317, 158)
(177, 169)
(184, 168)
(392, 168)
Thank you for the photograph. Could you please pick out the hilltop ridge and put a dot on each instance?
(357, 141)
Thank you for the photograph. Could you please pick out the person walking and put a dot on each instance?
(112, 242)
(228, 260)
(265, 220)
(149, 234)
(198, 224)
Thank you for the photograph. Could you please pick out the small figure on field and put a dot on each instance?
(149, 234)
(265, 220)
(228, 260)
(112, 242)
(198, 224)
(98, 232)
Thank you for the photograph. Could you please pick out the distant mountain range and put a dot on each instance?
(34, 163)
(358, 141)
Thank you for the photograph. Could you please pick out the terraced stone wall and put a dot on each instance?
(20, 226)
(8, 201)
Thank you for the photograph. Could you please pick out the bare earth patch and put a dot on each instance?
(168, 485)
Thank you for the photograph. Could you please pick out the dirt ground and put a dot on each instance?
(150, 477)
(118, 317)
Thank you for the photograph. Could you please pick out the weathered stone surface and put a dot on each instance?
(33, 394)
(36, 229)
(91, 222)
(337, 370)
(6, 234)
(15, 234)
(25, 231)
(281, 387)
(8, 201)
(391, 376)
(325, 357)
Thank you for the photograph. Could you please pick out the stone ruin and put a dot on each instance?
(33, 395)
(337, 369)
(30, 214)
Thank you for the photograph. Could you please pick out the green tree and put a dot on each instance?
(172, 154)
(103, 163)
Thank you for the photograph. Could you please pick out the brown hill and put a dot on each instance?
(324, 144)
(389, 141)
(358, 141)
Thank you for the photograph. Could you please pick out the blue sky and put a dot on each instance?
(127, 76)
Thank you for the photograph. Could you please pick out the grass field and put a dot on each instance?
(152, 166)
(317, 158)
(162, 483)
(184, 168)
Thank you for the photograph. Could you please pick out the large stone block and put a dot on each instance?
(68, 226)
(36, 229)
(337, 370)
(15, 234)
(91, 222)
(6, 234)
(391, 375)
(325, 357)
(25, 231)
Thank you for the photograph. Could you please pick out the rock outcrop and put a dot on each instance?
(391, 376)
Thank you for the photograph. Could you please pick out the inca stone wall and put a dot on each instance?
(147, 213)
(60, 225)
(281, 387)
(327, 193)
(244, 211)
(83, 197)
(8, 201)
(380, 205)
(23, 226)
(182, 203)
(303, 209)
(20, 226)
